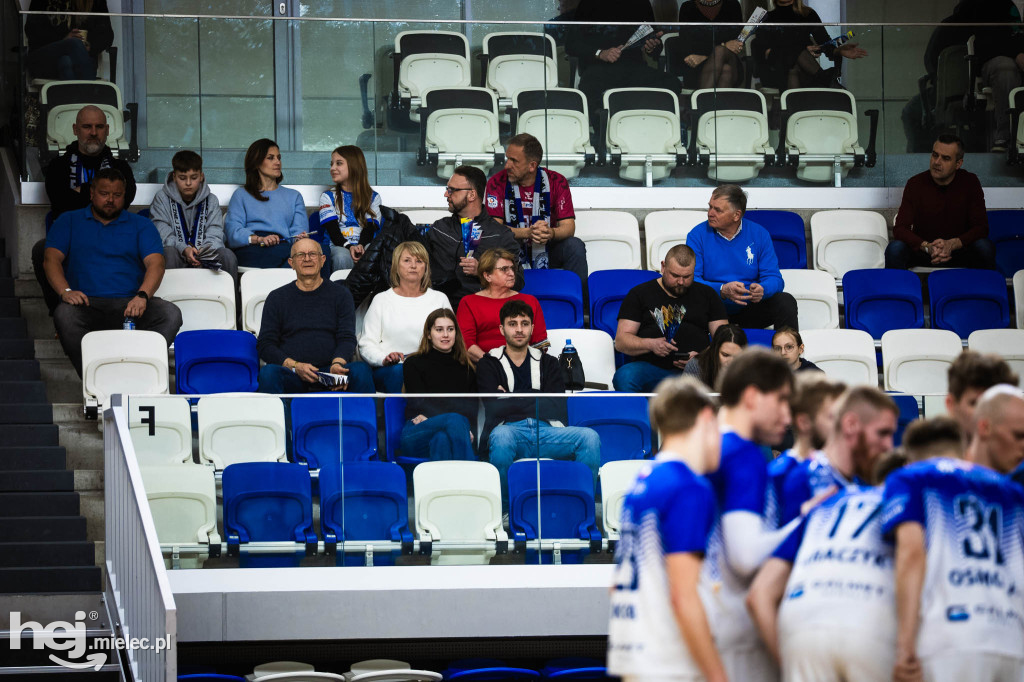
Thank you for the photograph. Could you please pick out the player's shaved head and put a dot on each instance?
(998, 440)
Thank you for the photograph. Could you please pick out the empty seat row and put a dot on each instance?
(458, 503)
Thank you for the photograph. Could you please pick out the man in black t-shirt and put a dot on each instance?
(665, 322)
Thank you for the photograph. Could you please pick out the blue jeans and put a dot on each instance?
(388, 379)
(443, 437)
(341, 258)
(65, 60)
(570, 254)
(978, 254)
(516, 440)
(640, 377)
(276, 379)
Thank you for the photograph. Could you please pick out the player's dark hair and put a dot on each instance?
(515, 308)
(677, 403)
(935, 437)
(978, 371)
(757, 367)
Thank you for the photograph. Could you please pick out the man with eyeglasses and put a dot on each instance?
(455, 243)
(309, 330)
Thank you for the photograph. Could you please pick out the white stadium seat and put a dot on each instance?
(612, 239)
(915, 361)
(642, 133)
(340, 275)
(518, 61)
(183, 501)
(241, 428)
(816, 297)
(206, 298)
(427, 60)
(820, 132)
(161, 429)
(1018, 296)
(596, 350)
(615, 479)
(62, 100)
(255, 286)
(458, 501)
(1008, 343)
(122, 361)
(558, 117)
(846, 240)
(730, 133)
(459, 126)
(846, 355)
(665, 229)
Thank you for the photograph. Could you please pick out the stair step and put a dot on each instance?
(50, 579)
(19, 370)
(13, 327)
(6, 287)
(35, 482)
(38, 554)
(5, 267)
(49, 349)
(22, 349)
(29, 457)
(40, 324)
(32, 434)
(25, 412)
(38, 504)
(41, 528)
(25, 391)
(46, 608)
(67, 414)
(63, 385)
(10, 307)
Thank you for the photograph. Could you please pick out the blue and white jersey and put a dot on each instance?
(842, 573)
(778, 469)
(332, 209)
(973, 519)
(740, 484)
(814, 475)
(1018, 474)
(669, 509)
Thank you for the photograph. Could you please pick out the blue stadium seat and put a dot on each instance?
(215, 361)
(486, 670)
(877, 300)
(788, 236)
(322, 426)
(575, 668)
(607, 289)
(265, 502)
(908, 412)
(560, 293)
(1006, 230)
(964, 300)
(145, 213)
(566, 491)
(364, 501)
(394, 420)
(622, 422)
(759, 337)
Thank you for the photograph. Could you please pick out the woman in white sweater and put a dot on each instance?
(394, 321)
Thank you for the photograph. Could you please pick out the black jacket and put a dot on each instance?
(444, 243)
(42, 29)
(372, 274)
(490, 375)
(58, 179)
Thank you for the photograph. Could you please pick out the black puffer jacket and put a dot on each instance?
(372, 274)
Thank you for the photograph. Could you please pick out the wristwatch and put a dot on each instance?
(143, 294)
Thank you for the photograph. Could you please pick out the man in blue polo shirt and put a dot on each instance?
(736, 258)
(106, 263)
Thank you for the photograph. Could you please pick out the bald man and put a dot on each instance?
(309, 329)
(69, 179)
(998, 440)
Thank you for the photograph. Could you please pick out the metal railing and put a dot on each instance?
(138, 592)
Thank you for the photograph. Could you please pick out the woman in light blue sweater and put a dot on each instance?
(263, 217)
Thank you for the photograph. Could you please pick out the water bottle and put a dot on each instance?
(569, 349)
(129, 324)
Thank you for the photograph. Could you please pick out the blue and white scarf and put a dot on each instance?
(196, 234)
(541, 210)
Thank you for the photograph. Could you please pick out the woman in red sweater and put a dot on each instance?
(478, 314)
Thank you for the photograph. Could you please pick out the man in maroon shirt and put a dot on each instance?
(942, 220)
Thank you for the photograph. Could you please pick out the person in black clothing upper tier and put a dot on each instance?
(456, 243)
(790, 345)
(604, 61)
(63, 45)
(308, 326)
(439, 428)
(710, 54)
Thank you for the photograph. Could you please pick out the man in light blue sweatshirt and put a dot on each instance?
(736, 258)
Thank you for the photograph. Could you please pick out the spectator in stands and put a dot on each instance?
(478, 313)
(455, 242)
(726, 344)
(998, 439)
(188, 215)
(393, 326)
(528, 427)
(664, 323)
(787, 56)
(114, 264)
(942, 220)
(967, 378)
(66, 46)
(264, 217)
(69, 176)
(536, 204)
(605, 61)
(308, 327)
(789, 344)
(349, 208)
(709, 54)
(442, 427)
(736, 258)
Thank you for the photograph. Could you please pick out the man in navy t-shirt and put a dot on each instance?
(106, 263)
